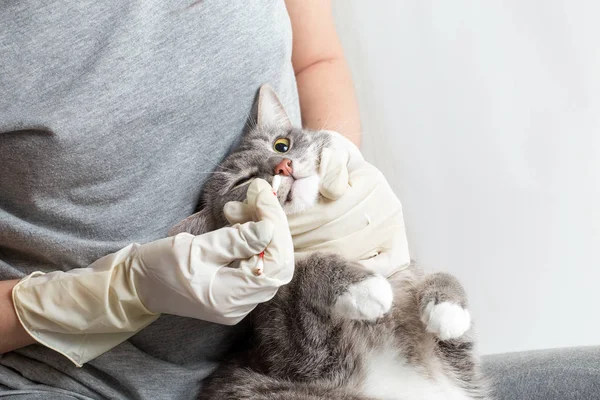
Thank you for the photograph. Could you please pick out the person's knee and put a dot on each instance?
(558, 374)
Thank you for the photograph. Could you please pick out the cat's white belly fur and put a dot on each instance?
(390, 377)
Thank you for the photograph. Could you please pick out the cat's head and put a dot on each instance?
(272, 146)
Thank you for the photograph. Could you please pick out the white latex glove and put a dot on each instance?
(358, 216)
(85, 312)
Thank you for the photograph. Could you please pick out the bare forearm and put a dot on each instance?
(327, 98)
(12, 334)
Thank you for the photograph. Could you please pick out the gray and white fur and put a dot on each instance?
(336, 331)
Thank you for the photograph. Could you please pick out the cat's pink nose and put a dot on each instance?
(284, 167)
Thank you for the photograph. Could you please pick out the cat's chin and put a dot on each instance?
(304, 194)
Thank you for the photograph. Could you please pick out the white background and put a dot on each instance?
(485, 117)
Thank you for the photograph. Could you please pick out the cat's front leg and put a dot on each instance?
(443, 306)
(366, 300)
(342, 288)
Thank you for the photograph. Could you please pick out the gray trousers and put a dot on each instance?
(561, 374)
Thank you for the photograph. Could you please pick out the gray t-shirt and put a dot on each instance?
(112, 113)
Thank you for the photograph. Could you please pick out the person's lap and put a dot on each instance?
(559, 374)
(35, 395)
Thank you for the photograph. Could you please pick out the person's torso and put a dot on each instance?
(112, 115)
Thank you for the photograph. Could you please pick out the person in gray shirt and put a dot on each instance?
(111, 116)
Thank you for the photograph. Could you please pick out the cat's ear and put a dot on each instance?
(196, 224)
(270, 110)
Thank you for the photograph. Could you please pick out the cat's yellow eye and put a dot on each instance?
(282, 145)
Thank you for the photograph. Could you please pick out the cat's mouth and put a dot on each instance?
(286, 190)
(289, 196)
(296, 194)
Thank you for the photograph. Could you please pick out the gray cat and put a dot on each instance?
(337, 331)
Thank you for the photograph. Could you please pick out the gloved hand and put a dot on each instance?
(85, 312)
(359, 215)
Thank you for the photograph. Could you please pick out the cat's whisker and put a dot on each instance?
(212, 173)
(250, 121)
(326, 121)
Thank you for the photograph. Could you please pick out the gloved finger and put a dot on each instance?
(382, 264)
(238, 242)
(256, 186)
(279, 254)
(259, 188)
(340, 142)
(265, 204)
(387, 262)
(237, 212)
(334, 173)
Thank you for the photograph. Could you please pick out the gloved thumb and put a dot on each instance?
(255, 237)
(334, 173)
(279, 255)
(237, 212)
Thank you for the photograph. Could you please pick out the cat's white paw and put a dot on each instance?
(367, 300)
(447, 320)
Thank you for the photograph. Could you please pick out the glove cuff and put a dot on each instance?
(85, 312)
